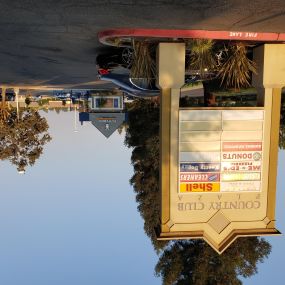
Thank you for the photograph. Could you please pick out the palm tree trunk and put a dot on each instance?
(3, 93)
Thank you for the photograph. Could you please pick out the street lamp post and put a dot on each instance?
(75, 119)
(16, 90)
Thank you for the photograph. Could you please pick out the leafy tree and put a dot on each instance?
(22, 140)
(28, 101)
(188, 261)
(122, 128)
(142, 135)
(195, 262)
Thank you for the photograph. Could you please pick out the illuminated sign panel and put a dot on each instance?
(205, 147)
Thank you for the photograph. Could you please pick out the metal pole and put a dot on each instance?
(75, 120)
(16, 90)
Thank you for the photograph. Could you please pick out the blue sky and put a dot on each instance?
(72, 218)
(273, 267)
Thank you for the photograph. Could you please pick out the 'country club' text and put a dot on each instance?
(221, 205)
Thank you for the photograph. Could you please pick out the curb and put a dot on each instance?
(106, 37)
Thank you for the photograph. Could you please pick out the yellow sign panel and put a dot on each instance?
(241, 176)
(199, 187)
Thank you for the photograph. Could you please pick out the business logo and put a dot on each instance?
(199, 167)
(257, 156)
(199, 187)
(199, 177)
(241, 155)
(241, 166)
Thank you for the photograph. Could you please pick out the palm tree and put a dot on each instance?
(144, 65)
(235, 71)
(4, 109)
(202, 56)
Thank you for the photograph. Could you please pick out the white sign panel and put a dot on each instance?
(240, 186)
(243, 166)
(222, 165)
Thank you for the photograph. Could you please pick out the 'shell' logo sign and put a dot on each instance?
(199, 187)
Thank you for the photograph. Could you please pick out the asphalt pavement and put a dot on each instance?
(54, 42)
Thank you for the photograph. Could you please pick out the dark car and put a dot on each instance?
(115, 57)
(140, 87)
(9, 96)
(109, 60)
(137, 87)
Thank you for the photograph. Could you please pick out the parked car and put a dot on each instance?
(63, 96)
(140, 87)
(117, 57)
(137, 87)
(113, 58)
(9, 96)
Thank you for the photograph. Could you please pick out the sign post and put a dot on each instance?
(218, 170)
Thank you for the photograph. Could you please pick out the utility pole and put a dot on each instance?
(16, 90)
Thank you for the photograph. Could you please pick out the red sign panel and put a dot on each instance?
(242, 146)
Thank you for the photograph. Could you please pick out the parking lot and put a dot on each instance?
(54, 43)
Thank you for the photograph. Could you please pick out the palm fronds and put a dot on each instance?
(4, 112)
(144, 65)
(202, 57)
(236, 69)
